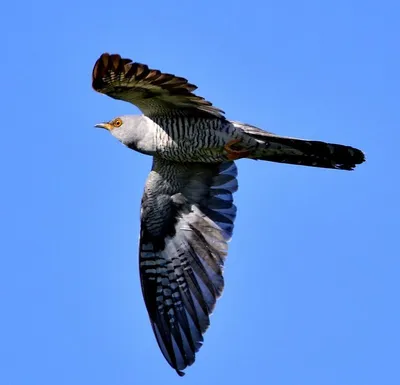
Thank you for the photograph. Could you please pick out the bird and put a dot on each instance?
(187, 210)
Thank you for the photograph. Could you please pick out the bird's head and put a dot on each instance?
(115, 124)
(132, 130)
(122, 127)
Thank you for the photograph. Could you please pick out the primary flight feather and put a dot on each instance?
(187, 213)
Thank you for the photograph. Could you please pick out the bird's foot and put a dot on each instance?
(234, 154)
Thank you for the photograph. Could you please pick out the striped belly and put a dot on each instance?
(192, 140)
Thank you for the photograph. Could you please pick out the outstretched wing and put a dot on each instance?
(187, 219)
(153, 92)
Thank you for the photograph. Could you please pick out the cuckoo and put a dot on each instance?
(187, 210)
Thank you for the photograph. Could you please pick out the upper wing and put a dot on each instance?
(154, 92)
(186, 221)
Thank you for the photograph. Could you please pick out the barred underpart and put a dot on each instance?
(183, 139)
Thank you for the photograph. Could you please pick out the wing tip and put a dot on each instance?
(110, 69)
(116, 63)
(105, 63)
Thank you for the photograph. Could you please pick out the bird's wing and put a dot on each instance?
(187, 218)
(153, 92)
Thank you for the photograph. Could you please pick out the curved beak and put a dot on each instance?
(107, 126)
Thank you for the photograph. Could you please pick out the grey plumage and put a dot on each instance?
(187, 215)
(186, 221)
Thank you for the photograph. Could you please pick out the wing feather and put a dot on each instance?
(153, 92)
(182, 251)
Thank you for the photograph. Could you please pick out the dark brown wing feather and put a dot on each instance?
(153, 92)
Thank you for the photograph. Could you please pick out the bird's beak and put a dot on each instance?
(107, 126)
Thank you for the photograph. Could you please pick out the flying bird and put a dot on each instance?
(187, 210)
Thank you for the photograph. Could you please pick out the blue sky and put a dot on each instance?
(312, 277)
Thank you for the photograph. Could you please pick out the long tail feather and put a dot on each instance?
(304, 152)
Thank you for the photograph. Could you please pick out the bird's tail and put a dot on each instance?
(282, 149)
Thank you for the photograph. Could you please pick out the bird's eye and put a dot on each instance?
(117, 123)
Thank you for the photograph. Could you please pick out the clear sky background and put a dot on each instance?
(312, 277)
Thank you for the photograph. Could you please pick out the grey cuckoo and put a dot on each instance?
(187, 213)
